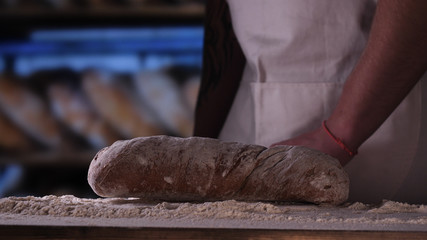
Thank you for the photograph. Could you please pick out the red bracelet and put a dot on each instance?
(338, 141)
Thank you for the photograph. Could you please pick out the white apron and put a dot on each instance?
(299, 54)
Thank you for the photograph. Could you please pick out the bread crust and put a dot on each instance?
(202, 169)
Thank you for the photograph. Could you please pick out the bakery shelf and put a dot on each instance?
(25, 19)
(19, 48)
(158, 11)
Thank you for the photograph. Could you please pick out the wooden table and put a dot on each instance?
(87, 232)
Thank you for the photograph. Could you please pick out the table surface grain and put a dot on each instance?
(87, 232)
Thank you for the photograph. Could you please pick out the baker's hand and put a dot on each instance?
(319, 140)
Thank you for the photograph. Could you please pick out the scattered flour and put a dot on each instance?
(397, 207)
(358, 206)
(388, 212)
(70, 206)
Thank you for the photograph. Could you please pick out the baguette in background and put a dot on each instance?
(72, 108)
(163, 96)
(118, 106)
(29, 112)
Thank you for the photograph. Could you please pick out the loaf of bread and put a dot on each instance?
(72, 108)
(118, 107)
(163, 96)
(202, 169)
(29, 112)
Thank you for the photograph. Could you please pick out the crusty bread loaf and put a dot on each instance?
(118, 107)
(203, 169)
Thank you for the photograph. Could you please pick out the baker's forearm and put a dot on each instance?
(393, 61)
(223, 63)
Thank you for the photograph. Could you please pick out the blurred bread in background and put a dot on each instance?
(160, 92)
(29, 112)
(119, 106)
(71, 107)
(12, 139)
(190, 90)
(65, 109)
